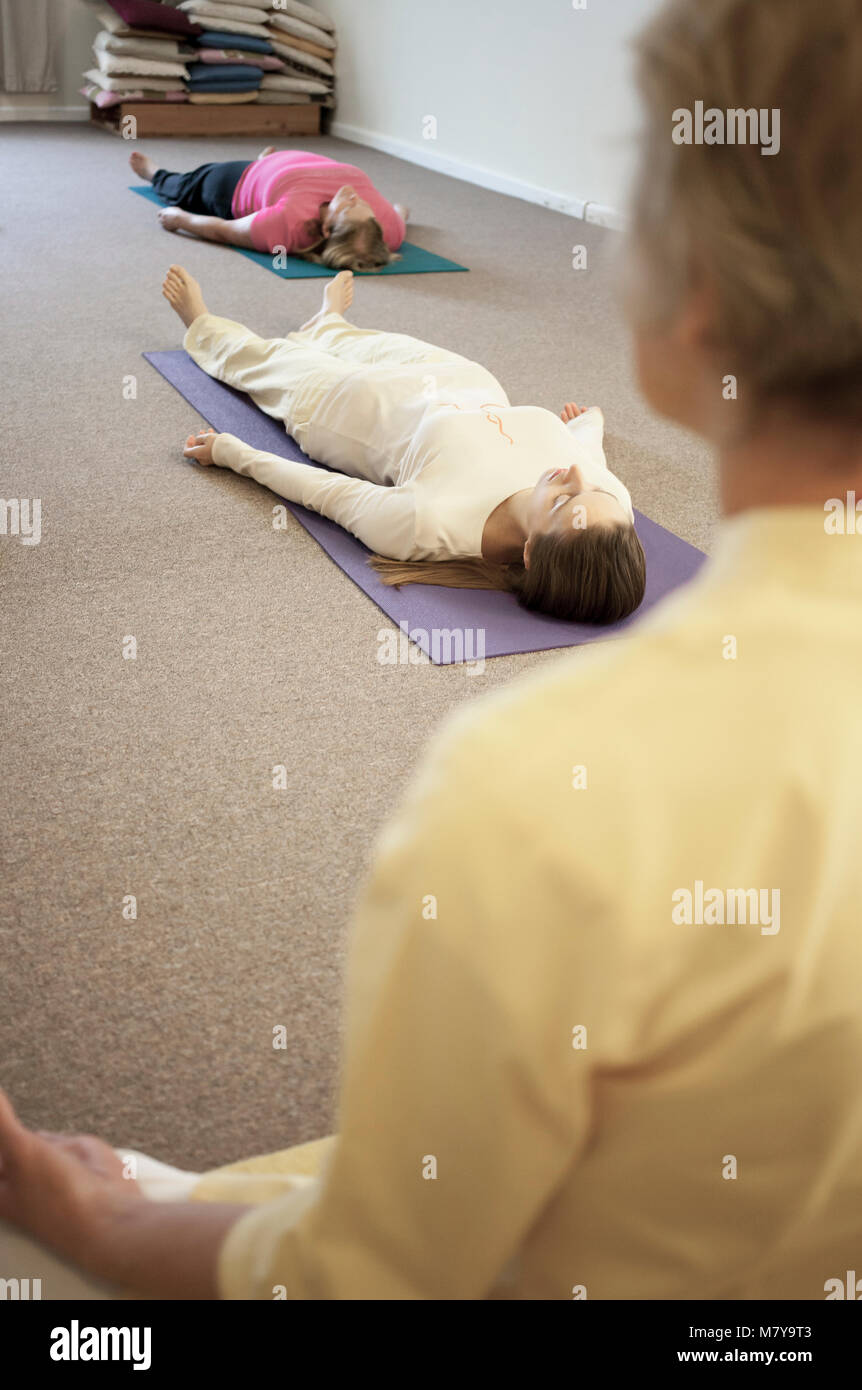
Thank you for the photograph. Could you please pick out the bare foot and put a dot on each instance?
(183, 293)
(143, 166)
(270, 149)
(337, 297)
(338, 293)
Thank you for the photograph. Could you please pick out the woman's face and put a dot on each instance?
(562, 501)
(345, 208)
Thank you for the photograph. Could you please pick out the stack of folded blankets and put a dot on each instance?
(135, 63)
(214, 52)
(232, 54)
(278, 53)
(305, 40)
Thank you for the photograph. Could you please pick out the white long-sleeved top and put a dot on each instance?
(432, 471)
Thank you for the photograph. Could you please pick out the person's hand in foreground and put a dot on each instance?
(70, 1193)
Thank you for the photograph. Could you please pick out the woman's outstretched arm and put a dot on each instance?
(235, 231)
(70, 1192)
(383, 518)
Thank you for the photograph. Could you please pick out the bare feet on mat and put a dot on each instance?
(337, 297)
(183, 293)
(200, 446)
(143, 166)
(270, 149)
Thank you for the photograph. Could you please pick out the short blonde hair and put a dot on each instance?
(355, 246)
(777, 237)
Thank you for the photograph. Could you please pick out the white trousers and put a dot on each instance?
(304, 380)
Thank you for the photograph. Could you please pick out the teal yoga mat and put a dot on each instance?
(414, 260)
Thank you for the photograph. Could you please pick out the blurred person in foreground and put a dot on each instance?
(603, 1029)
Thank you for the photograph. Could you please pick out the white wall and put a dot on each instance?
(531, 97)
(77, 26)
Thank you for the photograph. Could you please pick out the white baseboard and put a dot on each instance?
(44, 113)
(424, 155)
(604, 216)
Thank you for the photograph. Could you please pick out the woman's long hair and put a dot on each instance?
(356, 246)
(595, 575)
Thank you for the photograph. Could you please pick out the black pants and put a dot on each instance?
(209, 189)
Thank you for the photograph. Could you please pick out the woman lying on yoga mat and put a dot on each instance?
(304, 203)
(434, 470)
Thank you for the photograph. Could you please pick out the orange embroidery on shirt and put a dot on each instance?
(495, 420)
(492, 419)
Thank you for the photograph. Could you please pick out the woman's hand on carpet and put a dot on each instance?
(200, 446)
(61, 1188)
(171, 219)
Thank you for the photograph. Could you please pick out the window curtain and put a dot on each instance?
(28, 49)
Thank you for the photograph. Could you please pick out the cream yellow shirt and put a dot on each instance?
(554, 1084)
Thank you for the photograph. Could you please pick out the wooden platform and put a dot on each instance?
(188, 118)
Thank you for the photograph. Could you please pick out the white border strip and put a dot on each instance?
(44, 113)
(476, 174)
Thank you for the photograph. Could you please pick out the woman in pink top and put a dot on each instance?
(286, 200)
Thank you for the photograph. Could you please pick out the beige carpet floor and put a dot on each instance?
(153, 777)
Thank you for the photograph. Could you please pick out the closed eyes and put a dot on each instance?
(567, 497)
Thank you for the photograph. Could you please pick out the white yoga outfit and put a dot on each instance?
(425, 442)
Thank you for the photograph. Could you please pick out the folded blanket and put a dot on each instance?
(300, 59)
(217, 38)
(232, 27)
(290, 25)
(137, 48)
(147, 14)
(203, 87)
(282, 98)
(126, 31)
(105, 99)
(204, 74)
(113, 82)
(217, 57)
(221, 98)
(308, 47)
(223, 20)
(252, 14)
(300, 11)
(126, 65)
(284, 82)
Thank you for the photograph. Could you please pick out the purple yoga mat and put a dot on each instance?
(426, 612)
